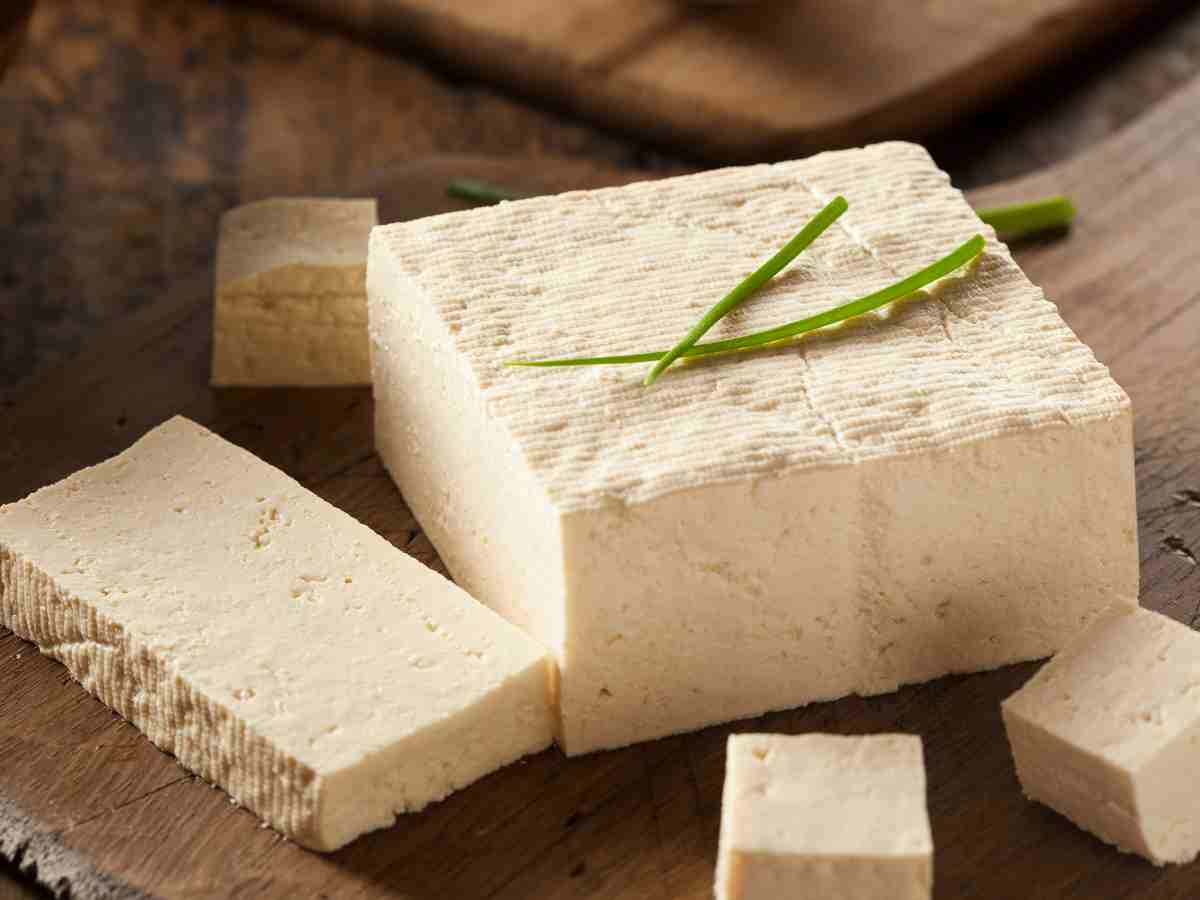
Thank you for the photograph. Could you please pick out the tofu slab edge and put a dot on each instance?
(274, 645)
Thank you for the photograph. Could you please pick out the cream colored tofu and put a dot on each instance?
(291, 304)
(1108, 734)
(824, 817)
(276, 646)
(943, 486)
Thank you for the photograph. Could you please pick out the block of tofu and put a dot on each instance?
(824, 817)
(943, 486)
(275, 645)
(291, 306)
(1108, 734)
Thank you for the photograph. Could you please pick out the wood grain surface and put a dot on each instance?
(741, 81)
(90, 803)
(127, 126)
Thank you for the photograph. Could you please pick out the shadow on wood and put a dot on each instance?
(619, 823)
(14, 20)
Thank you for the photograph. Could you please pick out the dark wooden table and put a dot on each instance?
(121, 118)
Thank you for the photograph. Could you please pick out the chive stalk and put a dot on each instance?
(1021, 220)
(752, 283)
(963, 254)
(481, 191)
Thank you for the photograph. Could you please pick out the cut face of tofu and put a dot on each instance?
(824, 817)
(942, 486)
(291, 305)
(1108, 733)
(276, 646)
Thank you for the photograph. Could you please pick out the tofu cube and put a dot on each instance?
(1108, 734)
(273, 644)
(824, 817)
(941, 486)
(291, 303)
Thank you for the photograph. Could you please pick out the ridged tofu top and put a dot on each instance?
(631, 269)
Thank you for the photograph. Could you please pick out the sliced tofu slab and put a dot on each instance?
(1103, 732)
(291, 303)
(942, 486)
(824, 817)
(275, 645)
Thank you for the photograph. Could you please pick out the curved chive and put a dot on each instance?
(962, 255)
(481, 191)
(752, 283)
(1023, 219)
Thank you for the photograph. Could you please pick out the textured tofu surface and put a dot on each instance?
(942, 486)
(275, 645)
(631, 269)
(291, 304)
(1102, 732)
(824, 816)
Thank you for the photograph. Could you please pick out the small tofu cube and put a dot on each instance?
(1108, 734)
(291, 300)
(824, 816)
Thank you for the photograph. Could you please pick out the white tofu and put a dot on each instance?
(276, 646)
(824, 817)
(1108, 734)
(291, 305)
(945, 486)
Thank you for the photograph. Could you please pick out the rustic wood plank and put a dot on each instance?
(120, 116)
(1077, 105)
(635, 822)
(735, 82)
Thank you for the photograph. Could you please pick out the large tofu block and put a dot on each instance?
(824, 817)
(276, 646)
(1108, 734)
(291, 304)
(944, 486)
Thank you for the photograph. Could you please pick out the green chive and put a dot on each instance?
(752, 283)
(964, 254)
(1024, 219)
(481, 191)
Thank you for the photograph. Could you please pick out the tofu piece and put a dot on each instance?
(291, 303)
(1108, 734)
(275, 645)
(942, 486)
(824, 817)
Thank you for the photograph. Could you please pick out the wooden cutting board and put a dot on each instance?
(89, 805)
(746, 80)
